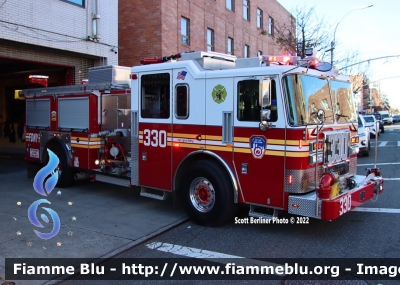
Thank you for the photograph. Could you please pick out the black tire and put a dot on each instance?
(366, 153)
(66, 178)
(214, 205)
(382, 130)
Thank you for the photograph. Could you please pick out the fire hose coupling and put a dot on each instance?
(324, 190)
(351, 183)
(331, 185)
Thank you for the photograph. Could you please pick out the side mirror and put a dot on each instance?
(321, 115)
(265, 101)
(323, 66)
(265, 93)
(265, 117)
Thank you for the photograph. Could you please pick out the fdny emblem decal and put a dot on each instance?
(219, 94)
(258, 145)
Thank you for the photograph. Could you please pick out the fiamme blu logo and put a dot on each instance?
(44, 182)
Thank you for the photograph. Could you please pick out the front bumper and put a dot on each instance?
(363, 144)
(332, 208)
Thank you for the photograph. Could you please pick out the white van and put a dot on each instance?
(370, 121)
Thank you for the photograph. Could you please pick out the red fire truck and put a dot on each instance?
(277, 133)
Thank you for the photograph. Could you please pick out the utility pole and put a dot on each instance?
(370, 98)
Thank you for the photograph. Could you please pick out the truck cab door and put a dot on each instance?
(189, 113)
(258, 155)
(155, 128)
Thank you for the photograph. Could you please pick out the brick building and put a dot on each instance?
(163, 27)
(57, 38)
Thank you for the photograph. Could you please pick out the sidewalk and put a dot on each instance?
(7, 148)
(98, 220)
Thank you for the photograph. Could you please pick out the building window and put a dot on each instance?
(230, 46)
(259, 18)
(246, 10)
(77, 2)
(246, 51)
(271, 26)
(210, 40)
(230, 5)
(185, 31)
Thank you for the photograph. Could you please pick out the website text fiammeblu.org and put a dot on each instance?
(195, 269)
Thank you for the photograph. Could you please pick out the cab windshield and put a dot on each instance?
(305, 95)
(344, 107)
(369, 119)
(360, 123)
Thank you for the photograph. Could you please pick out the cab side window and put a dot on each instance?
(182, 101)
(248, 108)
(155, 96)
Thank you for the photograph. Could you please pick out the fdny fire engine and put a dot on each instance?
(276, 133)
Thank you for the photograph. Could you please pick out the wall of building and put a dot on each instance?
(160, 34)
(61, 25)
(56, 37)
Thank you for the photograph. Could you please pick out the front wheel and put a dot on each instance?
(207, 194)
(66, 175)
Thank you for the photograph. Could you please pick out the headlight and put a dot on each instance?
(312, 159)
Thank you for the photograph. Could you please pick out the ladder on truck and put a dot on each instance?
(72, 89)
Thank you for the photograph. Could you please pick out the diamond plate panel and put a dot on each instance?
(113, 180)
(303, 180)
(353, 166)
(306, 205)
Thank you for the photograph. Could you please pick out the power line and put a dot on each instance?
(368, 60)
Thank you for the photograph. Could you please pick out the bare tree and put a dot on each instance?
(305, 30)
(384, 99)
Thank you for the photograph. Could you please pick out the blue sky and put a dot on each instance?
(373, 32)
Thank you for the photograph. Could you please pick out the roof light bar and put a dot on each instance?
(280, 59)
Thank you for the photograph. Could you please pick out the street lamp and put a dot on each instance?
(370, 98)
(334, 33)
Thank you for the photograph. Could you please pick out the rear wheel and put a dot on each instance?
(65, 178)
(207, 194)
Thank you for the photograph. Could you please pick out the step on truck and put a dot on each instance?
(275, 133)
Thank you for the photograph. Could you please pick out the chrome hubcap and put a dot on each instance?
(202, 194)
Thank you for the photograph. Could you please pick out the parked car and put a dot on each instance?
(396, 119)
(364, 142)
(371, 123)
(381, 123)
(387, 119)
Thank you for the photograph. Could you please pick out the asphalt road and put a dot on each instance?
(371, 232)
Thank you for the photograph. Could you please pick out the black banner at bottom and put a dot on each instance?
(201, 269)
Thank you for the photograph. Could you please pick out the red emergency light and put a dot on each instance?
(280, 59)
(159, 60)
(40, 79)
